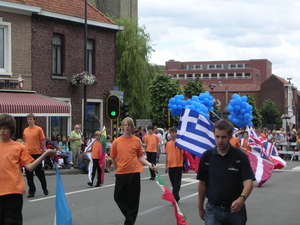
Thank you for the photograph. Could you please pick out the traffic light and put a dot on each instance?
(124, 111)
(113, 107)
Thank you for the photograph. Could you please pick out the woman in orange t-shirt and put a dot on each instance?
(127, 157)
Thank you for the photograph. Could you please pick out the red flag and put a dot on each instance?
(261, 167)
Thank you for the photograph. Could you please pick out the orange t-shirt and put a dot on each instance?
(245, 145)
(263, 135)
(152, 142)
(174, 155)
(126, 151)
(95, 150)
(234, 141)
(13, 157)
(32, 137)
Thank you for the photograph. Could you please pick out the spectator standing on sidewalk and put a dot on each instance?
(75, 144)
(34, 141)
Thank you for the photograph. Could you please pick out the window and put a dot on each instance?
(214, 76)
(184, 67)
(212, 66)
(219, 66)
(191, 67)
(247, 75)
(204, 67)
(230, 75)
(205, 76)
(247, 65)
(90, 56)
(5, 48)
(239, 75)
(198, 66)
(232, 66)
(225, 66)
(222, 76)
(57, 54)
(240, 65)
(189, 76)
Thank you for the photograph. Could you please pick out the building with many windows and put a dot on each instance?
(253, 77)
(42, 45)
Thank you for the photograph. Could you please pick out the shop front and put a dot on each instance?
(53, 115)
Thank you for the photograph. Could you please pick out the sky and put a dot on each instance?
(214, 30)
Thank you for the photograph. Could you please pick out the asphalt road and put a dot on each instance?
(277, 202)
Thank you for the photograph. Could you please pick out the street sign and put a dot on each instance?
(143, 123)
(120, 94)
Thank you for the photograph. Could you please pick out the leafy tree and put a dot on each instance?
(193, 88)
(133, 70)
(270, 113)
(257, 118)
(162, 88)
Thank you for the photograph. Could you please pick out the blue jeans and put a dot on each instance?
(69, 155)
(215, 215)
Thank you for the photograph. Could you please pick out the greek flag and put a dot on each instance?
(195, 133)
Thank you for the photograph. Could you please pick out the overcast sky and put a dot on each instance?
(210, 30)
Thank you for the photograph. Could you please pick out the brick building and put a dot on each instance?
(253, 77)
(43, 47)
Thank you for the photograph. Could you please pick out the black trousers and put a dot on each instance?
(39, 172)
(175, 175)
(97, 168)
(127, 195)
(151, 157)
(11, 209)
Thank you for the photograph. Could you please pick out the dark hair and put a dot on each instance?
(173, 129)
(8, 121)
(150, 128)
(31, 115)
(224, 125)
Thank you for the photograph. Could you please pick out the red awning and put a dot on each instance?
(30, 102)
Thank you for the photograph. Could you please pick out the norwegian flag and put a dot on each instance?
(265, 148)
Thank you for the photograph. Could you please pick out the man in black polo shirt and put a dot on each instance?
(225, 178)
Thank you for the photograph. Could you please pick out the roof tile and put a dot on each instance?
(67, 7)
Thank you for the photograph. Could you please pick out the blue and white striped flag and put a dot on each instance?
(63, 215)
(195, 133)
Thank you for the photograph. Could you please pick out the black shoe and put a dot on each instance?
(46, 192)
(90, 184)
(98, 185)
(30, 196)
(152, 178)
(106, 171)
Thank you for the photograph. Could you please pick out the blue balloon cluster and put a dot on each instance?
(240, 111)
(202, 104)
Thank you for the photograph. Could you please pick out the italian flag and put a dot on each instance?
(179, 215)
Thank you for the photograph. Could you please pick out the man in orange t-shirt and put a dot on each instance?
(152, 146)
(174, 163)
(34, 140)
(13, 156)
(127, 157)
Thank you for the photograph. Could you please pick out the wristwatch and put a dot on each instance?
(244, 197)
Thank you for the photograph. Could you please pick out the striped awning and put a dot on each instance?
(30, 102)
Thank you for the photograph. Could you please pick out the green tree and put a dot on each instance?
(162, 88)
(257, 118)
(133, 70)
(193, 88)
(270, 113)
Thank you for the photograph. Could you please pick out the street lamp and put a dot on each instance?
(212, 87)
